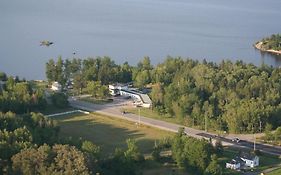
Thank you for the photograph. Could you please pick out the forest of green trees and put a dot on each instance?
(19, 96)
(101, 69)
(30, 142)
(30, 145)
(234, 97)
(196, 155)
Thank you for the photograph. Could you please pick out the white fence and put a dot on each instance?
(68, 112)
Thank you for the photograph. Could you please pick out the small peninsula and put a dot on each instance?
(270, 44)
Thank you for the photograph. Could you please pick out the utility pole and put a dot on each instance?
(139, 116)
(260, 126)
(254, 137)
(206, 123)
(193, 122)
(254, 142)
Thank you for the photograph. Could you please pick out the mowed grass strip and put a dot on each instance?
(152, 114)
(109, 132)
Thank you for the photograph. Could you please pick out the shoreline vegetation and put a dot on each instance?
(259, 44)
(270, 44)
(236, 97)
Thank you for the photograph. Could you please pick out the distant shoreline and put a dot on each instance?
(259, 44)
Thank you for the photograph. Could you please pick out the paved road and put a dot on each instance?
(114, 109)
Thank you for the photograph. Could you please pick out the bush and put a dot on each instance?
(257, 152)
(59, 100)
(218, 147)
(156, 153)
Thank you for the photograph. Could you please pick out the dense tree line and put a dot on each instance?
(20, 136)
(29, 144)
(87, 72)
(97, 90)
(59, 100)
(58, 159)
(19, 132)
(19, 96)
(193, 155)
(101, 69)
(237, 97)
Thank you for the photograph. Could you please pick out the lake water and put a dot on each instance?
(128, 30)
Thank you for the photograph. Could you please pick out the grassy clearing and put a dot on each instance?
(151, 167)
(164, 171)
(268, 161)
(109, 133)
(164, 117)
(153, 114)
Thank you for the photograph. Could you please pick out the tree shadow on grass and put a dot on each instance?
(107, 136)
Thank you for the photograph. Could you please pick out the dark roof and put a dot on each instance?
(236, 160)
(142, 96)
(247, 155)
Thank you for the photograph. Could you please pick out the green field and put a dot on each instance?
(153, 114)
(109, 133)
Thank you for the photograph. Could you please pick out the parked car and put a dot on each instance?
(236, 139)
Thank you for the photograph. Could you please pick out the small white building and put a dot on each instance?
(140, 99)
(56, 86)
(250, 160)
(234, 164)
(114, 89)
(245, 159)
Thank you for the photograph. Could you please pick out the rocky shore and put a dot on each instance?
(259, 45)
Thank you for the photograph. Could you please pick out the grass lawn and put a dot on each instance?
(164, 171)
(109, 133)
(153, 114)
(164, 117)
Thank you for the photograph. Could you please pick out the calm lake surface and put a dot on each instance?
(128, 30)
